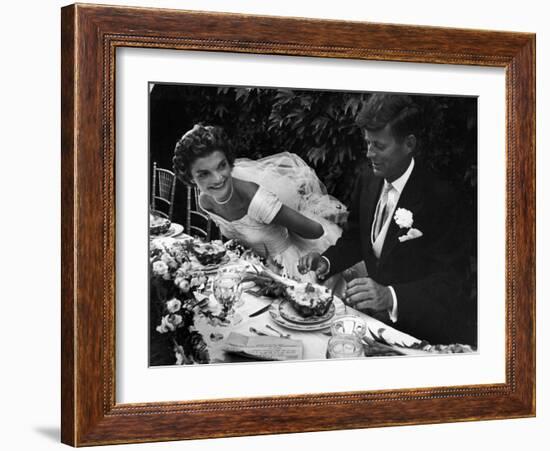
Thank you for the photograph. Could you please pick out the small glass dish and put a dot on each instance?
(348, 325)
(345, 346)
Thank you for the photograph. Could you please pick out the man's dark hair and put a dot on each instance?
(398, 110)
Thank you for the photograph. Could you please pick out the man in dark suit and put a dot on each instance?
(404, 224)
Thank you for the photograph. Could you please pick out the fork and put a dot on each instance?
(276, 331)
(258, 332)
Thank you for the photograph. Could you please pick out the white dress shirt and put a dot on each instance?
(398, 186)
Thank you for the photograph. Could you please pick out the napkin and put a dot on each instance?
(264, 348)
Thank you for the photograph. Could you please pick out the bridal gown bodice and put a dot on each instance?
(257, 231)
(256, 228)
(282, 178)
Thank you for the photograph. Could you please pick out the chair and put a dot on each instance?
(164, 189)
(198, 223)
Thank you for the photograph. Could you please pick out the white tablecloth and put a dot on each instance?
(315, 342)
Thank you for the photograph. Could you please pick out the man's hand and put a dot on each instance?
(364, 293)
(312, 262)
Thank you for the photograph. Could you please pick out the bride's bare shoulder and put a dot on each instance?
(246, 188)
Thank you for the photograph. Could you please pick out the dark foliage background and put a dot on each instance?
(320, 127)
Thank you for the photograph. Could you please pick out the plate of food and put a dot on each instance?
(214, 267)
(307, 303)
(174, 230)
(306, 307)
(208, 254)
(288, 312)
(208, 257)
(158, 224)
(275, 312)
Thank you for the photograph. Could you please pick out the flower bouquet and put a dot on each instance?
(174, 283)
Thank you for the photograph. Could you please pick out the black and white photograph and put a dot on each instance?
(292, 224)
(249, 225)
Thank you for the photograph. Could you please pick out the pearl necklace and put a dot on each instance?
(223, 202)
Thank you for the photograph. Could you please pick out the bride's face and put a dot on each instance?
(212, 174)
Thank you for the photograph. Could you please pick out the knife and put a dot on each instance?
(259, 312)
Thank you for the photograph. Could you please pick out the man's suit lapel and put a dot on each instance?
(411, 199)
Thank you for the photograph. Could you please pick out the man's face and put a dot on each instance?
(389, 157)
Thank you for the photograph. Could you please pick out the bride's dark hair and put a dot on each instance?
(196, 143)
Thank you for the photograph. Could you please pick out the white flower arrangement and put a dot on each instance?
(183, 285)
(199, 280)
(404, 219)
(169, 323)
(173, 305)
(160, 268)
(185, 268)
(169, 260)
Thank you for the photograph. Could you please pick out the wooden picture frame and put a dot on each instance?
(90, 36)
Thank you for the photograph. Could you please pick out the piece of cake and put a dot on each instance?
(310, 300)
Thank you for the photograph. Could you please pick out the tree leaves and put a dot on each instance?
(316, 155)
(319, 126)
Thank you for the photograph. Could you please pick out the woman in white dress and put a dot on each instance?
(275, 205)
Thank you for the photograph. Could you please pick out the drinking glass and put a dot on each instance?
(227, 291)
(345, 347)
(346, 341)
(348, 325)
(234, 271)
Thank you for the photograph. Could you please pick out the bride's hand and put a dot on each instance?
(312, 262)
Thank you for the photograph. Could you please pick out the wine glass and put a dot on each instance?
(227, 291)
(235, 270)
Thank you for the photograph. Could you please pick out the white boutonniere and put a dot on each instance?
(404, 219)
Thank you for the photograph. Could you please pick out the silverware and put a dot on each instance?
(257, 332)
(263, 334)
(259, 312)
(197, 303)
(276, 331)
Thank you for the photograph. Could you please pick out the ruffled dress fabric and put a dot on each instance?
(295, 184)
(282, 179)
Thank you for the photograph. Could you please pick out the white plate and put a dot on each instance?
(339, 309)
(212, 268)
(288, 312)
(175, 229)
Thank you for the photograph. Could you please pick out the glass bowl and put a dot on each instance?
(345, 346)
(348, 325)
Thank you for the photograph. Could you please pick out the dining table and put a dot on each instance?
(260, 316)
